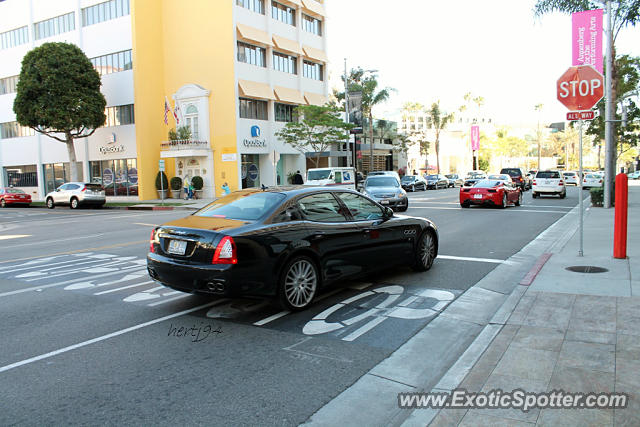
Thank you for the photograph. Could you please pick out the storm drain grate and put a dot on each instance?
(586, 269)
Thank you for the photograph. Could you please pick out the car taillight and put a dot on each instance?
(585, 180)
(534, 182)
(561, 183)
(226, 252)
(84, 189)
(600, 182)
(151, 240)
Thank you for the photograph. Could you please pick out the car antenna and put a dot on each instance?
(264, 187)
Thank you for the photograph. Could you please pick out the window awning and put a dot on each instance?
(292, 2)
(287, 45)
(314, 53)
(315, 98)
(314, 6)
(255, 90)
(253, 34)
(285, 94)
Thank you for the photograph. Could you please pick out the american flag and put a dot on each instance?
(176, 109)
(166, 111)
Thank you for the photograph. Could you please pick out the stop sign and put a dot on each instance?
(580, 88)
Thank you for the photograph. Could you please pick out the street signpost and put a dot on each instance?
(161, 169)
(579, 89)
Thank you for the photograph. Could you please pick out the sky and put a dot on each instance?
(430, 50)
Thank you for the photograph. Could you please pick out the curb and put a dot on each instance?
(137, 208)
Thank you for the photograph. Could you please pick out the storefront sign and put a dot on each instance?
(253, 172)
(133, 175)
(110, 149)
(107, 177)
(255, 140)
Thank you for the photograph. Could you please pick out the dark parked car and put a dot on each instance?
(516, 176)
(413, 183)
(437, 181)
(287, 243)
(473, 177)
(455, 180)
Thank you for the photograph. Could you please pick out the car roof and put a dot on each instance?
(292, 190)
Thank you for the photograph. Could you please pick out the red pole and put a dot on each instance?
(620, 226)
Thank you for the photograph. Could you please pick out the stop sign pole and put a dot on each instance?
(579, 89)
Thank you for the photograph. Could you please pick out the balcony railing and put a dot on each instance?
(184, 144)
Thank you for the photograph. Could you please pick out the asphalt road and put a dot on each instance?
(87, 338)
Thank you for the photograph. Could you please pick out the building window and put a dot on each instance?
(311, 25)
(251, 54)
(284, 112)
(14, 37)
(104, 12)
(119, 115)
(283, 13)
(56, 174)
(191, 120)
(113, 62)
(8, 85)
(51, 27)
(312, 70)
(285, 63)
(14, 130)
(118, 177)
(22, 176)
(253, 5)
(253, 109)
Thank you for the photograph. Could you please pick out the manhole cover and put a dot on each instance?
(586, 269)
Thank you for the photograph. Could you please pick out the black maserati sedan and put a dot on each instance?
(286, 243)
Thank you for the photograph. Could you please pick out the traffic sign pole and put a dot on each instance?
(581, 196)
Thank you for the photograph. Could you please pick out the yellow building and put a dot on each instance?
(231, 71)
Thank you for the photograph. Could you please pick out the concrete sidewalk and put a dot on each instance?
(576, 332)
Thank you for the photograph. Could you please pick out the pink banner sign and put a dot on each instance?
(475, 137)
(586, 38)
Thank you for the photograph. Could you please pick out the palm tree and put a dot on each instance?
(371, 97)
(538, 108)
(438, 121)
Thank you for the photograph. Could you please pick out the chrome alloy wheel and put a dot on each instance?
(427, 250)
(300, 283)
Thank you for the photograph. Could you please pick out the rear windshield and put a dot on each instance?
(246, 207)
(314, 175)
(548, 174)
(382, 181)
(505, 177)
(14, 191)
(512, 172)
(408, 178)
(568, 173)
(475, 175)
(432, 177)
(94, 187)
(591, 175)
(487, 183)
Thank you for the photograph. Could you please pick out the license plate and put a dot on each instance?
(384, 202)
(477, 196)
(547, 182)
(177, 247)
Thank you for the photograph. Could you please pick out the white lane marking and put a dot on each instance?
(516, 209)
(56, 266)
(545, 206)
(271, 318)
(46, 242)
(433, 207)
(91, 284)
(103, 269)
(144, 295)
(14, 236)
(135, 285)
(103, 337)
(464, 258)
(153, 304)
(145, 224)
(364, 329)
(41, 266)
(66, 282)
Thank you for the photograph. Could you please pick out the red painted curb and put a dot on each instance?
(531, 275)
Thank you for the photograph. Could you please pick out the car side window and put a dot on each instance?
(322, 207)
(338, 177)
(360, 207)
(63, 187)
(72, 186)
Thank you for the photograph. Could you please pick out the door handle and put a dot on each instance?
(318, 235)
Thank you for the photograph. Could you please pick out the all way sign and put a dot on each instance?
(580, 115)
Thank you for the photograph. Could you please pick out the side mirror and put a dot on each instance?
(387, 213)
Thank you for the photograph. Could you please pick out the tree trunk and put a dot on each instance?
(438, 151)
(599, 152)
(371, 140)
(73, 167)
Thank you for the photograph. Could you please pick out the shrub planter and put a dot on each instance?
(176, 187)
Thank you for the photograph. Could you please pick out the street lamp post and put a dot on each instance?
(610, 160)
(346, 110)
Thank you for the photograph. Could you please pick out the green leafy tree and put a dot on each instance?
(58, 95)
(438, 120)
(314, 128)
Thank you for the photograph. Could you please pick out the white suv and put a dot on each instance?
(548, 182)
(75, 194)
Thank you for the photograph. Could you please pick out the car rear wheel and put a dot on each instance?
(413, 188)
(563, 194)
(534, 195)
(298, 283)
(50, 203)
(403, 208)
(519, 201)
(73, 204)
(425, 253)
(464, 204)
(504, 200)
(3, 203)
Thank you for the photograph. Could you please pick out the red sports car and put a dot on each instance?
(491, 192)
(13, 196)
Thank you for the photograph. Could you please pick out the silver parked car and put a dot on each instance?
(76, 194)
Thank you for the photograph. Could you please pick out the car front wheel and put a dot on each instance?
(504, 200)
(3, 203)
(519, 201)
(298, 284)
(425, 253)
(50, 203)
